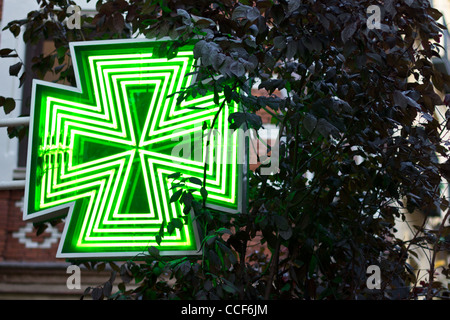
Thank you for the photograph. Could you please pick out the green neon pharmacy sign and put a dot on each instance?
(101, 153)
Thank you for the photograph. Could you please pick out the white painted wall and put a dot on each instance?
(9, 86)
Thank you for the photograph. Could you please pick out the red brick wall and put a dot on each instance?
(11, 249)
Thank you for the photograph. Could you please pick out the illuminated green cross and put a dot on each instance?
(102, 153)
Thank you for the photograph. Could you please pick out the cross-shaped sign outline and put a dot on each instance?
(65, 145)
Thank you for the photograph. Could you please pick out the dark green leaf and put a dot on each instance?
(240, 12)
(107, 289)
(97, 293)
(309, 122)
(15, 30)
(293, 5)
(195, 180)
(101, 267)
(185, 267)
(5, 52)
(216, 96)
(22, 79)
(237, 119)
(223, 230)
(285, 234)
(178, 223)
(15, 68)
(349, 31)
(153, 251)
(41, 228)
(279, 42)
(170, 228)
(229, 287)
(176, 195)
(175, 175)
(114, 266)
(203, 192)
(228, 93)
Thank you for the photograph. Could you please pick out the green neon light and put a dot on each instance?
(101, 153)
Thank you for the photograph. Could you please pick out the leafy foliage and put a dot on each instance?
(360, 127)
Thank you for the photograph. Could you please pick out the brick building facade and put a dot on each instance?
(29, 268)
(18, 240)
